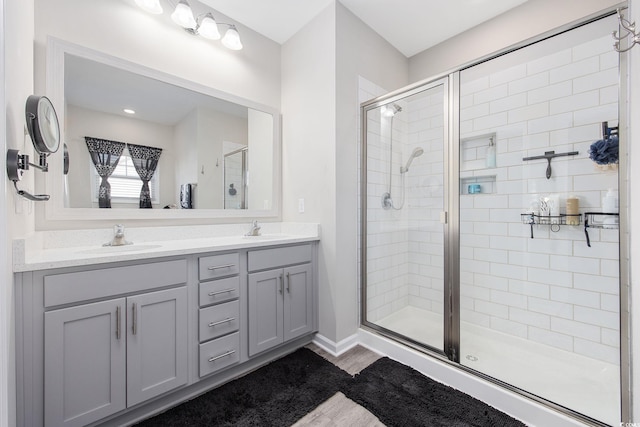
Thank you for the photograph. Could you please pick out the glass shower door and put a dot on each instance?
(403, 233)
(540, 304)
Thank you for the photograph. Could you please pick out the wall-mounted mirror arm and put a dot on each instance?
(16, 165)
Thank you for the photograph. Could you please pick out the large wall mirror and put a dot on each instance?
(219, 154)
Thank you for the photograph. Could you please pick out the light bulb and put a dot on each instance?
(208, 28)
(231, 39)
(183, 15)
(151, 6)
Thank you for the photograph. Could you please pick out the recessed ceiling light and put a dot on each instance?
(129, 111)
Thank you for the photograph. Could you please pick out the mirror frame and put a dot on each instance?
(54, 210)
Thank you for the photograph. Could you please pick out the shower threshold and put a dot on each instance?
(585, 385)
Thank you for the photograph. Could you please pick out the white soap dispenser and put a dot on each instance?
(491, 154)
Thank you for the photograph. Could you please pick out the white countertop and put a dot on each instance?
(70, 248)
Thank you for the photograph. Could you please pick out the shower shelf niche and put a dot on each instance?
(487, 184)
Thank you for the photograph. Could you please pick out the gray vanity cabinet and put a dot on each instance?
(110, 344)
(280, 299)
(85, 369)
(97, 354)
(105, 356)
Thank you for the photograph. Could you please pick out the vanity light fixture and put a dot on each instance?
(204, 25)
(129, 111)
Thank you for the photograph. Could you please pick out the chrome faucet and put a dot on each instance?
(254, 230)
(118, 237)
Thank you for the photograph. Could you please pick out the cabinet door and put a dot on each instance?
(298, 301)
(84, 363)
(265, 310)
(156, 343)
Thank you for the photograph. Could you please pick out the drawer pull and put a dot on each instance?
(224, 291)
(219, 267)
(220, 322)
(228, 353)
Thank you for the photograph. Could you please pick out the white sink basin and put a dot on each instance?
(118, 249)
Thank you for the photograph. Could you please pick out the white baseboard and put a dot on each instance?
(333, 348)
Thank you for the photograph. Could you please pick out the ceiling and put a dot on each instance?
(411, 26)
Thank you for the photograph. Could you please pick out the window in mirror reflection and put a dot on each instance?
(125, 183)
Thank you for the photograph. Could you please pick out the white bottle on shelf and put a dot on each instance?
(610, 201)
(490, 160)
(610, 205)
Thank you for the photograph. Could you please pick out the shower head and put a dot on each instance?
(391, 110)
(417, 152)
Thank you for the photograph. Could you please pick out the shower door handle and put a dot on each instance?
(443, 217)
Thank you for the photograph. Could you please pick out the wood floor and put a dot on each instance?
(340, 410)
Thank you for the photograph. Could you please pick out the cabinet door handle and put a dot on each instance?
(218, 267)
(228, 353)
(134, 316)
(288, 283)
(118, 322)
(281, 284)
(213, 294)
(220, 322)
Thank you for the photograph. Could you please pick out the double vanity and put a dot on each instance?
(110, 335)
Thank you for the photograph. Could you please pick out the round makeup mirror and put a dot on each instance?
(42, 124)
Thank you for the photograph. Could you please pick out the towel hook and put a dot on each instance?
(629, 29)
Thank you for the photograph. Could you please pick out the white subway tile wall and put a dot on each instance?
(552, 289)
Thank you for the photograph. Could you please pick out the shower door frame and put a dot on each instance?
(451, 175)
(450, 339)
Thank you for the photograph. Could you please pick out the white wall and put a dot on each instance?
(260, 160)
(517, 25)
(320, 107)
(122, 29)
(308, 145)
(17, 62)
(186, 160)
(214, 128)
(360, 52)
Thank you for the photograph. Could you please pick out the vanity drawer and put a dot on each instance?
(219, 290)
(69, 288)
(279, 257)
(220, 353)
(219, 266)
(219, 320)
